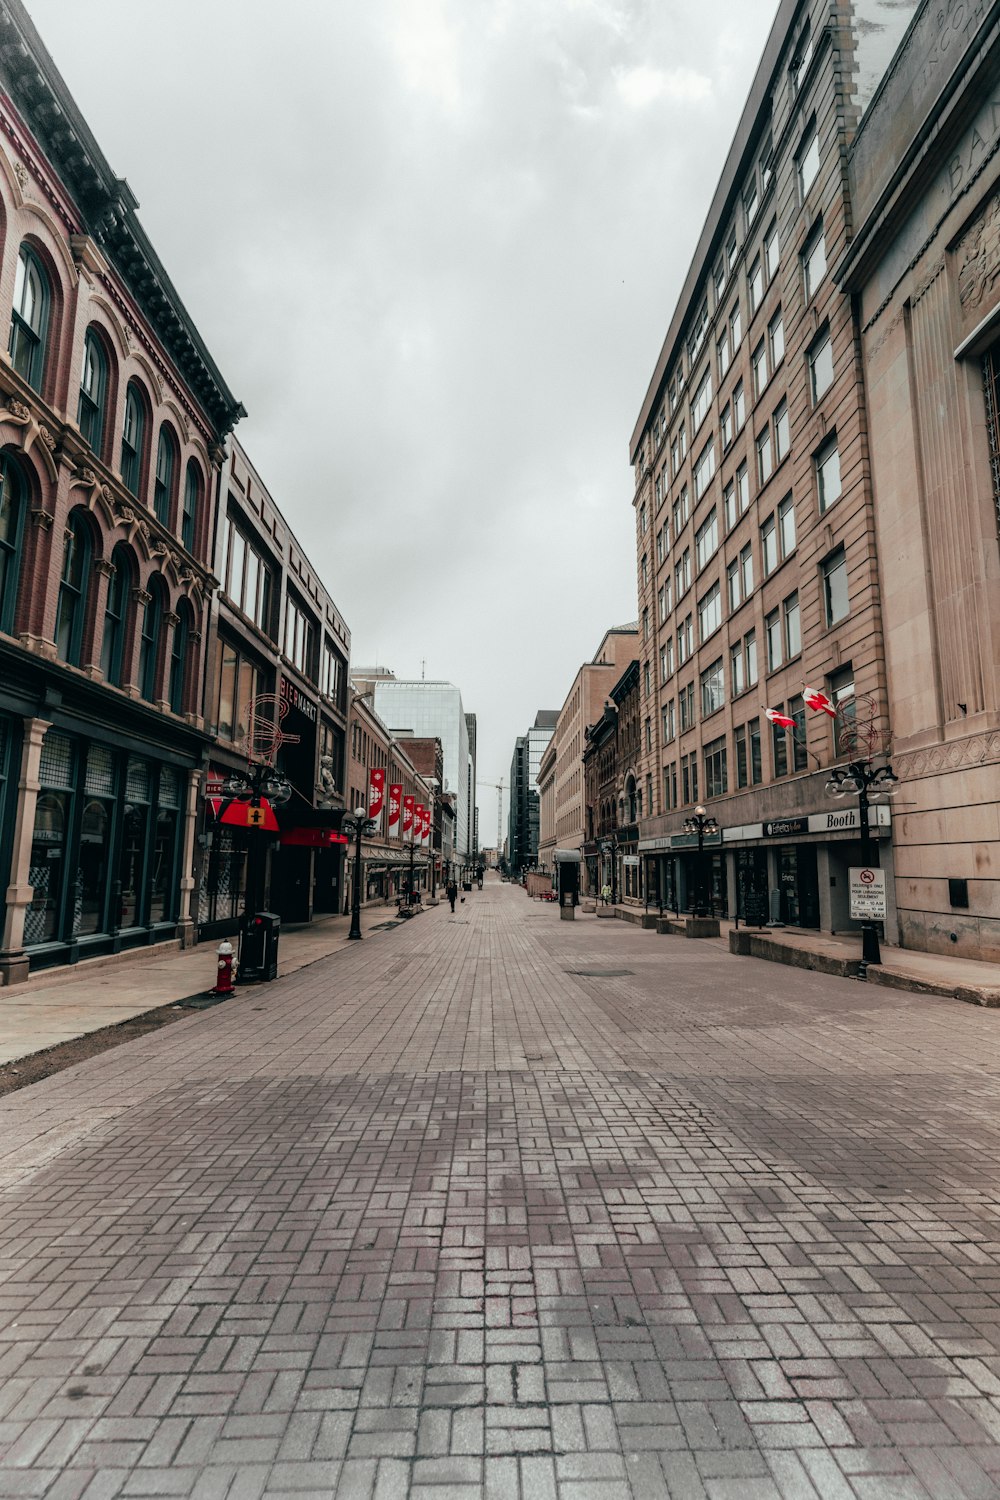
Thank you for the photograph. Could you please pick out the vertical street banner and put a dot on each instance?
(418, 823)
(426, 838)
(376, 792)
(408, 805)
(395, 808)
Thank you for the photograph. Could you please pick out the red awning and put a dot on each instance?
(312, 838)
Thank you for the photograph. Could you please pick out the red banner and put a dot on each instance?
(376, 792)
(408, 810)
(418, 823)
(395, 808)
(426, 832)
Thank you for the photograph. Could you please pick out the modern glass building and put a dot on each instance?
(435, 708)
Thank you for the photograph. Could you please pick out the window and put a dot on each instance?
(765, 462)
(803, 55)
(178, 658)
(685, 643)
(739, 405)
(719, 281)
(649, 746)
(772, 250)
(735, 328)
(743, 488)
(240, 681)
(113, 637)
(709, 613)
(669, 722)
(248, 578)
(756, 770)
(681, 511)
(746, 570)
(706, 539)
(808, 161)
(814, 261)
(163, 483)
(835, 586)
(779, 746)
(702, 399)
(645, 571)
(750, 656)
(29, 318)
(716, 782)
(133, 431)
(189, 509)
(742, 766)
(149, 640)
(782, 432)
(733, 586)
(12, 511)
(686, 702)
(737, 670)
(828, 485)
(647, 685)
(698, 330)
(821, 366)
(758, 363)
(729, 505)
(667, 658)
(842, 698)
(786, 525)
(713, 688)
(72, 600)
(661, 600)
(755, 284)
(643, 519)
(776, 339)
(704, 469)
(300, 638)
(93, 390)
(726, 426)
(732, 247)
(670, 786)
(765, 161)
(750, 201)
(689, 777)
(645, 624)
(682, 573)
(769, 547)
(772, 637)
(722, 350)
(793, 627)
(800, 755)
(332, 675)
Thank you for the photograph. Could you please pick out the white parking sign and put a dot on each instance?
(867, 889)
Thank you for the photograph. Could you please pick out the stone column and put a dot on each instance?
(104, 571)
(13, 960)
(130, 668)
(170, 622)
(186, 927)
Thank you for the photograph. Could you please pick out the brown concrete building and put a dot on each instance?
(924, 267)
(756, 542)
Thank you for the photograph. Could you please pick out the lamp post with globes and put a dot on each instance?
(356, 825)
(700, 823)
(869, 783)
(249, 786)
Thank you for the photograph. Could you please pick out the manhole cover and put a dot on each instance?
(601, 973)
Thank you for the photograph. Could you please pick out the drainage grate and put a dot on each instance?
(601, 973)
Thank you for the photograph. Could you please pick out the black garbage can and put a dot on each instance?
(259, 932)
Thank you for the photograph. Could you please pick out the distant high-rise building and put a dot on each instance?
(523, 816)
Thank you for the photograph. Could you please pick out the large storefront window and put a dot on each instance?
(165, 832)
(95, 842)
(49, 841)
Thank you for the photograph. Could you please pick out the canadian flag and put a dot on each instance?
(818, 702)
(782, 720)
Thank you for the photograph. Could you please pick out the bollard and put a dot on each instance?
(224, 972)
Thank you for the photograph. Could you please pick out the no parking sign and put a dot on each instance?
(867, 891)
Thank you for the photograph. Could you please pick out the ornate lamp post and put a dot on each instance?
(869, 784)
(257, 781)
(700, 823)
(356, 825)
(608, 847)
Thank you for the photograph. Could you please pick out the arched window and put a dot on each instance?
(115, 613)
(149, 644)
(189, 515)
(29, 318)
(12, 509)
(93, 391)
(178, 657)
(164, 482)
(133, 432)
(72, 602)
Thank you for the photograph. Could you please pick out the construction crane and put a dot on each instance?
(499, 787)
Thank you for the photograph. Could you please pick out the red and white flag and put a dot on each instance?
(782, 720)
(818, 702)
(418, 823)
(425, 837)
(376, 791)
(408, 810)
(395, 808)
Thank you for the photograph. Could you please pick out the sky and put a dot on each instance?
(434, 247)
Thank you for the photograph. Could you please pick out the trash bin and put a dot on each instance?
(259, 932)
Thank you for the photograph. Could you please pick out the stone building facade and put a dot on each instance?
(758, 568)
(547, 806)
(924, 268)
(112, 424)
(388, 862)
(611, 761)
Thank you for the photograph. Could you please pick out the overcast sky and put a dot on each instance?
(434, 246)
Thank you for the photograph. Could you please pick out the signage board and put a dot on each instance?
(779, 828)
(296, 699)
(867, 893)
(631, 860)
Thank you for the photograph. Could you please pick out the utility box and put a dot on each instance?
(567, 863)
(259, 933)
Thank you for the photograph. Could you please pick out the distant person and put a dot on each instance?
(451, 891)
(605, 893)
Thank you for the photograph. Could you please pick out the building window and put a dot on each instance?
(737, 671)
(733, 586)
(706, 539)
(300, 639)
(682, 572)
(178, 657)
(765, 463)
(842, 697)
(835, 587)
(704, 469)
(29, 318)
(726, 426)
(776, 339)
(739, 406)
(808, 161)
(786, 525)
(72, 602)
(768, 547)
(240, 681)
(779, 746)
(698, 330)
(684, 640)
(802, 58)
(750, 201)
(164, 481)
(746, 570)
(821, 366)
(713, 688)
(722, 350)
(800, 754)
(814, 262)
(669, 717)
(750, 655)
(113, 637)
(772, 637)
(93, 392)
(685, 701)
(133, 431)
(759, 367)
(646, 678)
(702, 399)
(742, 765)
(772, 250)
(12, 510)
(645, 624)
(735, 328)
(729, 505)
(670, 786)
(743, 488)
(667, 658)
(732, 247)
(189, 511)
(689, 778)
(755, 285)
(782, 432)
(828, 485)
(716, 779)
(709, 613)
(643, 519)
(149, 640)
(248, 578)
(756, 765)
(793, 627)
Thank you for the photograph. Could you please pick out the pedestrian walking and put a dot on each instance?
(605, 893)
(451, 891)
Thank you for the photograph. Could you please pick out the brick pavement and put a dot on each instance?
(452, 1214)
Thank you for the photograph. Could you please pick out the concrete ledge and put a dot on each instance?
(605, 911)
(979, 994)
(670, 926)
(896, 979)
(588, 908)
(701, 927)
(637, 916)
(753, 945)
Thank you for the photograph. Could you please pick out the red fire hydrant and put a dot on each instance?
(224, 974)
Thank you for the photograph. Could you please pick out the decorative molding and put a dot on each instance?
(21, 416)
(937, 760)
(171, 618)
(43, 519)
(142, 596)
(23, 176)
(978, 255)
(105, 567)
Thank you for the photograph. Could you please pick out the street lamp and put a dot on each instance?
(356, 825)
(700, 823)
(609, 846)
(868, 783)
(257, 781)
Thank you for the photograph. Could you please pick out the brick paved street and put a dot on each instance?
(448, 1215)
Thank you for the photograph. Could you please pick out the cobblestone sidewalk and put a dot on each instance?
(498, 1205)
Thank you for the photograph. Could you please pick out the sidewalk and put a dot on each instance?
(62, 1004)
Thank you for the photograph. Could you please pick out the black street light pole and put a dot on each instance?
(868, 783)
(357, 824)
(700, 823)
(249, 786)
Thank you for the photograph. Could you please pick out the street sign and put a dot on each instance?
(867, 892)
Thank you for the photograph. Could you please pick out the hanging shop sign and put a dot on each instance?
(296, 699)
